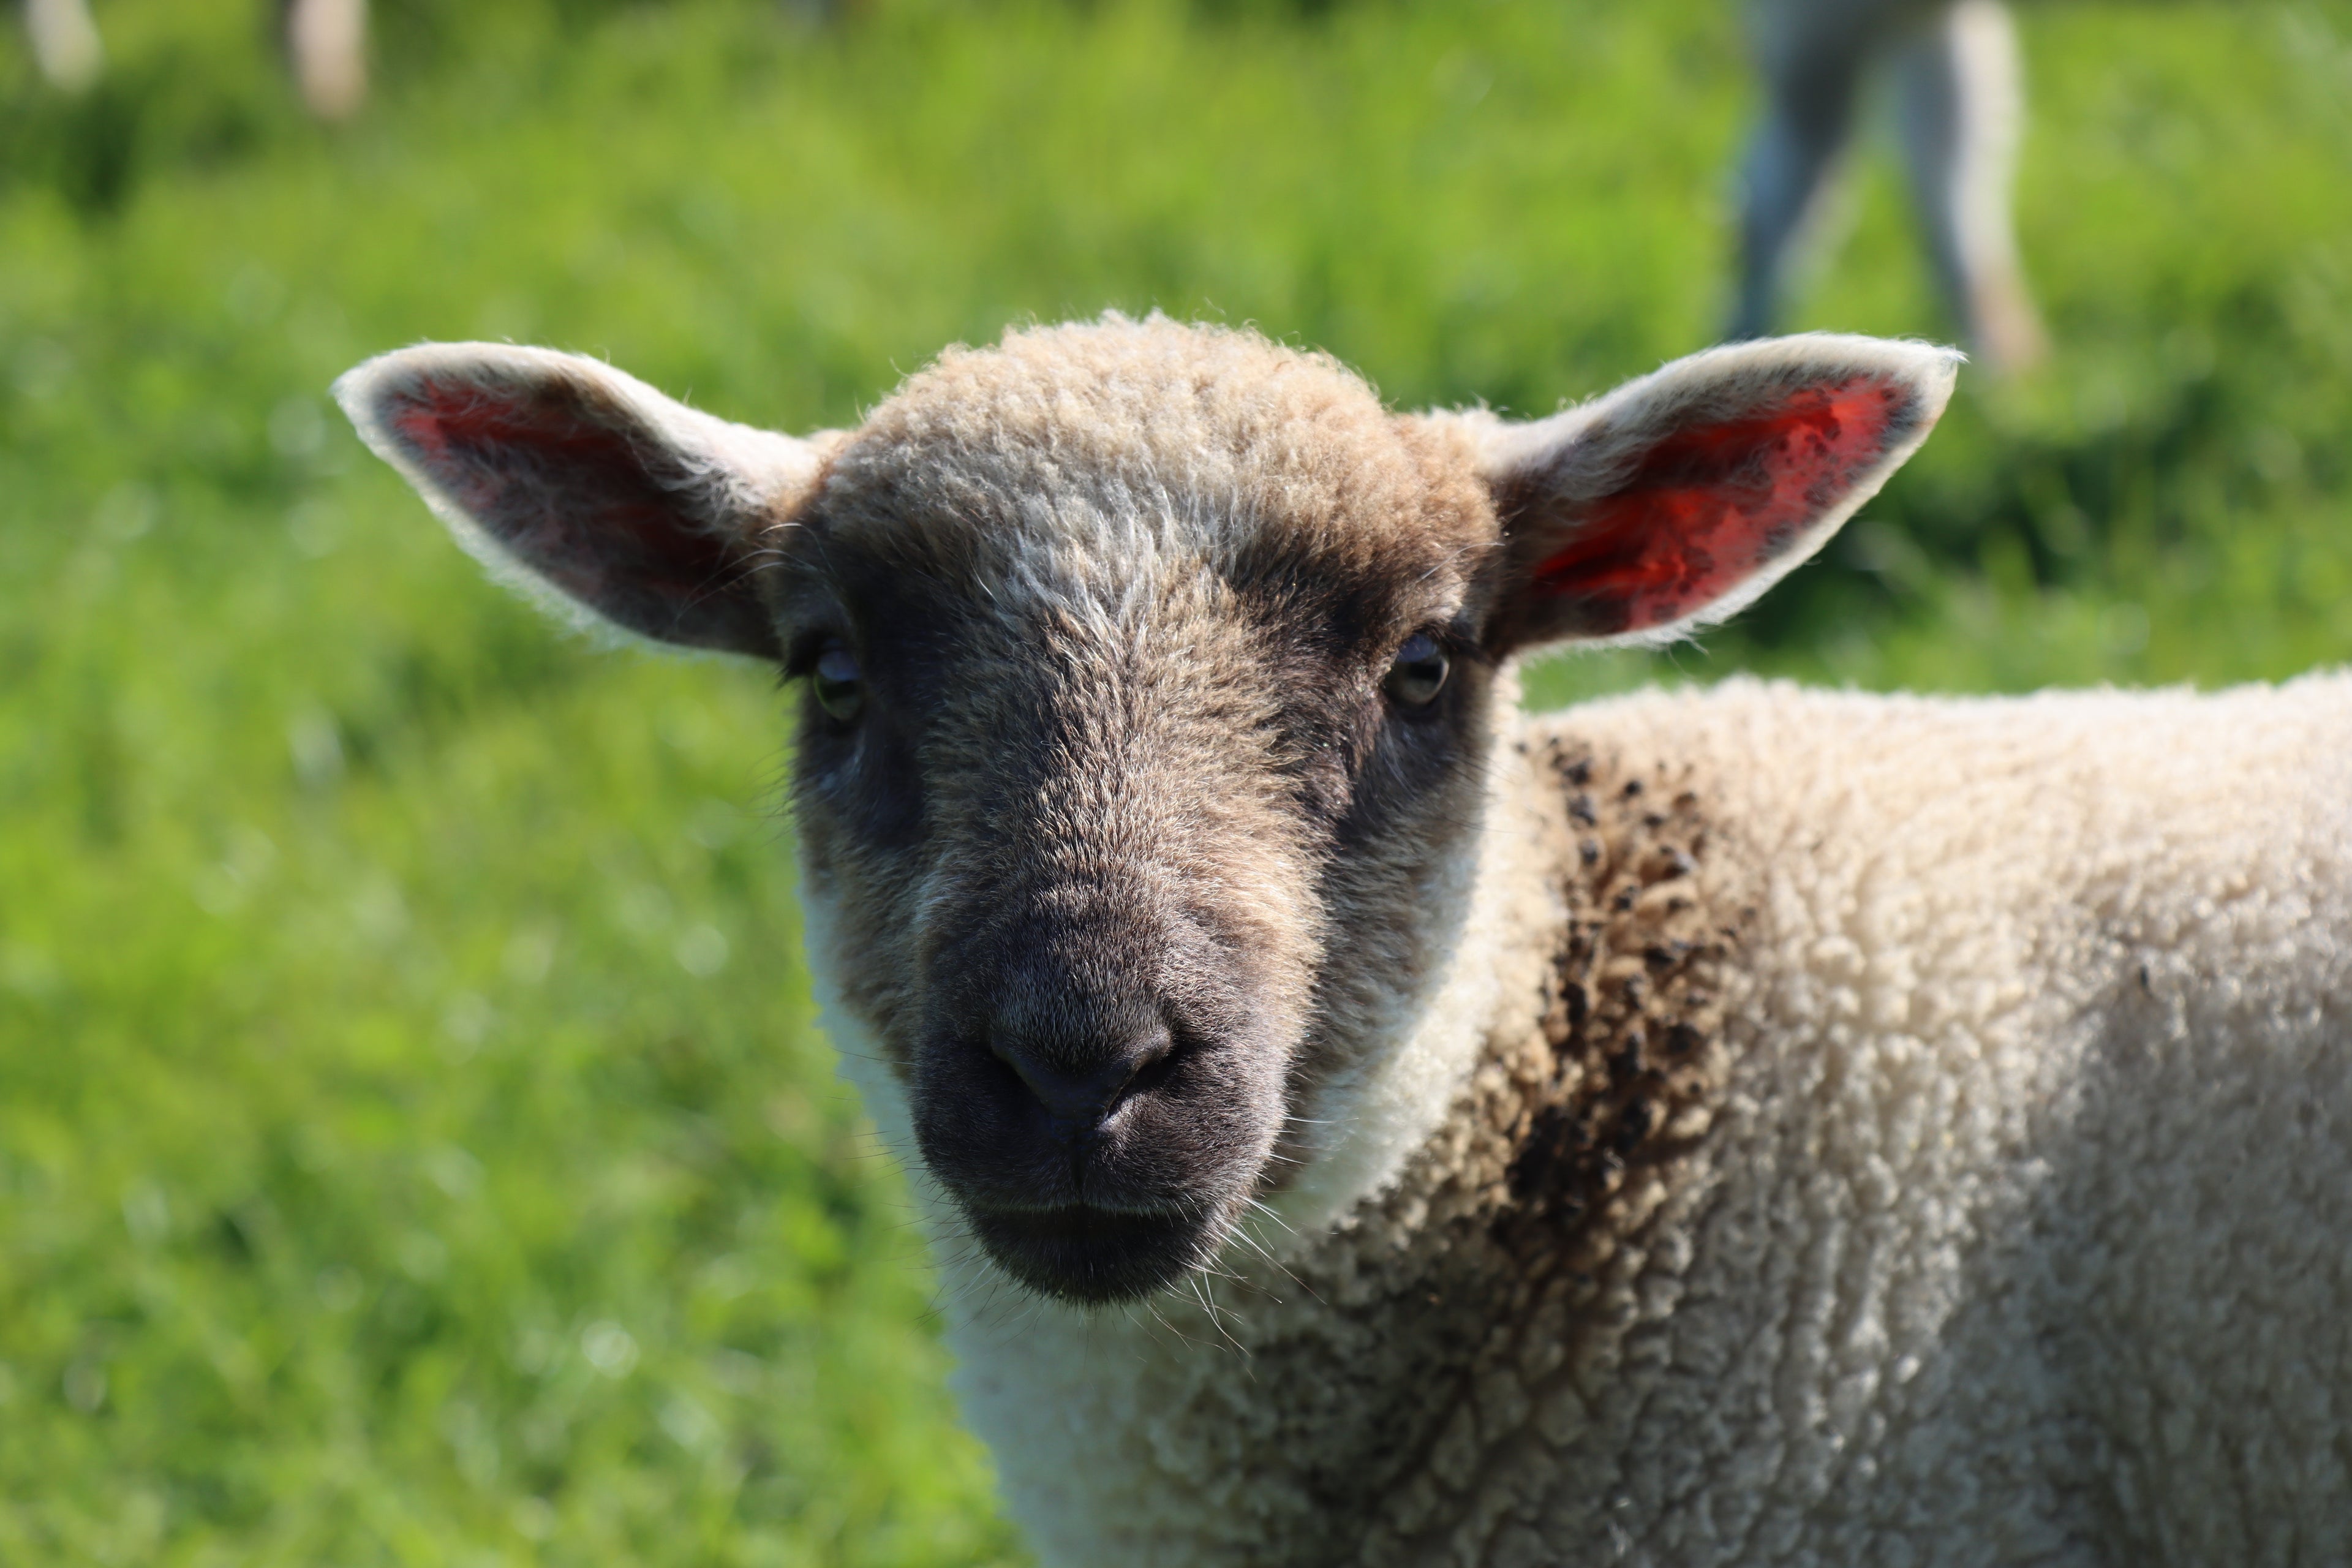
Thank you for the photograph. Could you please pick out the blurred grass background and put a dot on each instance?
(413, 1144)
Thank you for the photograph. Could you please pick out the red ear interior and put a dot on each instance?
(564, 481)
(1708, 506)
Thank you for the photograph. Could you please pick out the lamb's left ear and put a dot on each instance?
(1677, 498)
(566, 473)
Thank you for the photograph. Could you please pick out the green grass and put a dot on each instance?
(414, 1147)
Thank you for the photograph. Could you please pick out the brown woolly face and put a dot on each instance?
(1115, 796)
(1145, 679)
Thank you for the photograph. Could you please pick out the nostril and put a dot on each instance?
(1088, 1091)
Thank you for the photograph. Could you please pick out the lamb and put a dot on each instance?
(1959, 96)
(1365, 1125)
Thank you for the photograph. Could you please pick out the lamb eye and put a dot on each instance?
(1417, 673)
(837, 683)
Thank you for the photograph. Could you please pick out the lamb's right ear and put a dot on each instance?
(575, 478)
(1677, 498)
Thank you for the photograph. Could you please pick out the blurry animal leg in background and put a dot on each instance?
(65, 42)
(1811, 57)
(1960, 101)
(325, 42)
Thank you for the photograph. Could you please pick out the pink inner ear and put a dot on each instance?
(567, 492)
(1711, 505)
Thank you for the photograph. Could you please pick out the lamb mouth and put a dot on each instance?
(1092, 1256)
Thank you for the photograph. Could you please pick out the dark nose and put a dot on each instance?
(1078, 1090)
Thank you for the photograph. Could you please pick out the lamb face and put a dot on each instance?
(1132, 724)
(1149, 688)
